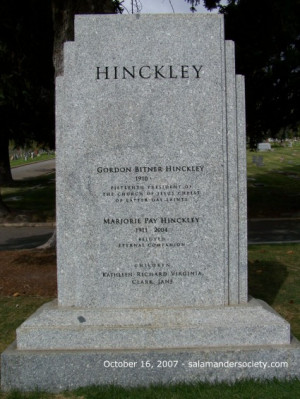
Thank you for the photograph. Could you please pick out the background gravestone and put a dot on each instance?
(264, 147)
(151, 214)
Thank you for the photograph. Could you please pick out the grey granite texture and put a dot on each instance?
(55, 371)
(232, 152)
(57, 328)
(126, 126)
(264, 147)
(242, 189)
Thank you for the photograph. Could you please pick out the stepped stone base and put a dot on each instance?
(56, 328)
(55, 371)
(65, 348)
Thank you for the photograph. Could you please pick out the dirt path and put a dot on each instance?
(28, 272)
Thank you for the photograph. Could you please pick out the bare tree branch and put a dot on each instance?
(172, 6)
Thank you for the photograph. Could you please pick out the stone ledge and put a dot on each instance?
(57, 328)
(55, 371)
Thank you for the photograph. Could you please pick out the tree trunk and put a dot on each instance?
(4, 210)
(5, 172)
(63, 13)
(51, 243)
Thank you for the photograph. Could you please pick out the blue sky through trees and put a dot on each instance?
(164, 6)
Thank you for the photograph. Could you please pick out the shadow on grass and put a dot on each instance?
(31, 181)
(34, 197)
(28, 242)
(265, 279)
(273, 189)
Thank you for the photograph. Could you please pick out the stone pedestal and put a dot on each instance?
(59, 328)
(58, 370)
(66, 348)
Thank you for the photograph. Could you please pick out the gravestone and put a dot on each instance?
(151, 216)
(258, 160)
(264, 147)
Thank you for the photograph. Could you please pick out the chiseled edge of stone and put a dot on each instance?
(225, 163)
(242, 189)
(59, 138)
(52, 315)
(233, 294)
(64, 101)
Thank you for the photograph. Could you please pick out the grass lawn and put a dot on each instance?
(21, 162)
(274, 189)
(13, 311)
(240, 390)
(274, 277)
(35, 198)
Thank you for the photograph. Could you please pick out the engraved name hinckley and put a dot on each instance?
(148, 72)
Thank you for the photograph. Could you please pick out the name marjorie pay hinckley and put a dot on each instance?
(148, 72)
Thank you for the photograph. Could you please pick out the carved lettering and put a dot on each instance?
(148, 72)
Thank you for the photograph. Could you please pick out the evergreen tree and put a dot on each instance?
(32, 33)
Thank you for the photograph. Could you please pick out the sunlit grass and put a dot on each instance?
(21, 161)
(274, 189)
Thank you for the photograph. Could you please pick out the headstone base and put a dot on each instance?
(55, 371)
(54, 328)
(216, 344)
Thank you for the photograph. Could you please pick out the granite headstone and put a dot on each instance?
(151, 214)
(264, 147)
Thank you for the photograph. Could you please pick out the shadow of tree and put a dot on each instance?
(274, 192)
(265, 279)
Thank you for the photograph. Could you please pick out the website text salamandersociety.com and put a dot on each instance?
(164, 363)
(229, 364)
